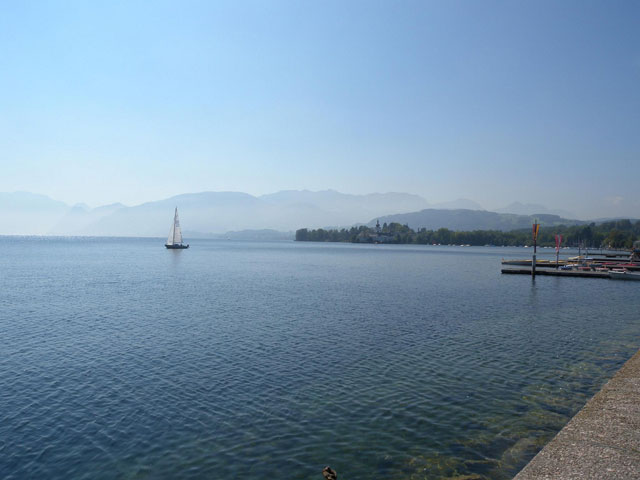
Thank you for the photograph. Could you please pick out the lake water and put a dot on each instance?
(120, 359)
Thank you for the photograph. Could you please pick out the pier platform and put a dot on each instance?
(556, 273)
(602, 441)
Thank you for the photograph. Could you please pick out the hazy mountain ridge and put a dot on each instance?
(459, 204)
(214, 214)
(79, 218)
(533, 209)
(25, 213)
(342, 206)
(209, 213)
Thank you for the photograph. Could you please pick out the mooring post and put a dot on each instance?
(536, 227)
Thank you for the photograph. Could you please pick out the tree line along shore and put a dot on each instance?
(611, 234)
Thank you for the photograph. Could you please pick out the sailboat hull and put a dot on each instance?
(177, 246)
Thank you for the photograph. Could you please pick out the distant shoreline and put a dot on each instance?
(618, 234)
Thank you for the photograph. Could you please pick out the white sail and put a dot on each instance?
(170, 239)
(175, 233)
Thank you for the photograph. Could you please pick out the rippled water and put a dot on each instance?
(120, 359)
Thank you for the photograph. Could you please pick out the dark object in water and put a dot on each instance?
(329, 473)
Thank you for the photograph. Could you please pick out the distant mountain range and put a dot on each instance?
(202, 214)
(533, 209)
(236, 214)
(461, 203)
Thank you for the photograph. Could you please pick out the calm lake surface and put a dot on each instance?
(120, 359)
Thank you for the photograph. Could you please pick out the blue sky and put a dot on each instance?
(495, 100)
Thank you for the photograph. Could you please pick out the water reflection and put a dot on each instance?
(176, 257)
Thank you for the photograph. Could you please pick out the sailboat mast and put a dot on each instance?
(175, 216)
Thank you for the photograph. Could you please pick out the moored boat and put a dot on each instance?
(623, 275)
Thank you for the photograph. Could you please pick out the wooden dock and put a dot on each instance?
(539, 263)
(556, 273)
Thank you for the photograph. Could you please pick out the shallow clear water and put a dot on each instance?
(120, 359)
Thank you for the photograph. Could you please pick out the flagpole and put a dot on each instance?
(558, 242)
(536, 226)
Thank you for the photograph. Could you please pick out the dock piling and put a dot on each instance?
(536, 228)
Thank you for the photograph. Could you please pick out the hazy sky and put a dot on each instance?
(538, 101)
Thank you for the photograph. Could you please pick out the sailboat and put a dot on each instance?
(175, 234)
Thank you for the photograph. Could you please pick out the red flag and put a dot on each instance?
(558, 242)
(536, 227)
